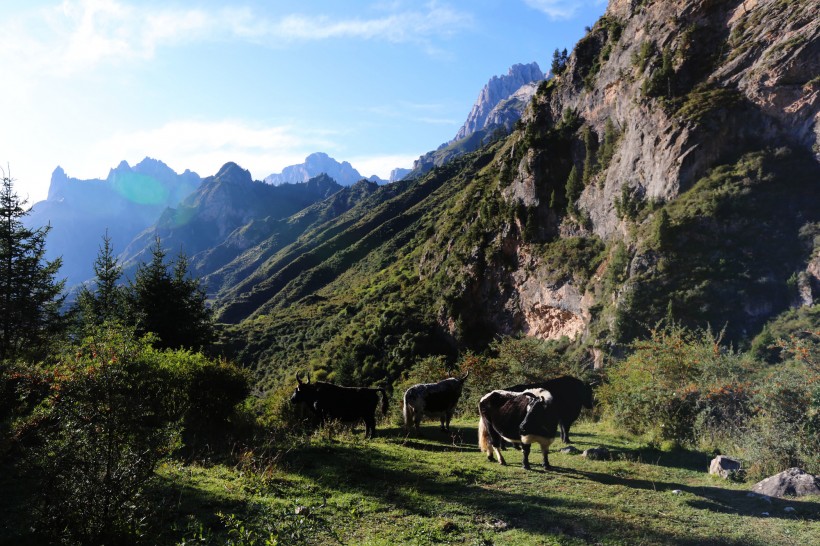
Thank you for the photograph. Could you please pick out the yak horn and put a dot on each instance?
(298, 379)
(465, 376)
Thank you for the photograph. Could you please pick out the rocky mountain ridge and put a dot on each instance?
(320, 163)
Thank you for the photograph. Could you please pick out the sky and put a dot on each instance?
(86, 84)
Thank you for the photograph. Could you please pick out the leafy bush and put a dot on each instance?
(109, 418)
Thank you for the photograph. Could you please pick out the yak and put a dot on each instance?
(350, 404)
(432, 400)
(517, 417)
(568, 395)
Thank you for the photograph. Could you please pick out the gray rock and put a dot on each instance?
(596, 453)
(793, 482)
(724, 466)
(570, 450)
(789, 509)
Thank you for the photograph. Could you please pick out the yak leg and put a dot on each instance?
(526, 449)
(545, 448)
(443, 417)
(449, 416)
(496, 443)
(564, 432)
(370, 427)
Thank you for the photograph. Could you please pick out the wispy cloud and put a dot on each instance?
(561, 9)
(80, 34)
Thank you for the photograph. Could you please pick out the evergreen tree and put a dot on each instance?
(30, 295)
(574, 187)
(107, 301)
(170, 305)
(590, 146)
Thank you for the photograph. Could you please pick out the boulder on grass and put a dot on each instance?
(793, 482)
(724, 466)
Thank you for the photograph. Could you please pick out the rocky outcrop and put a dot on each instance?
(725, 467)
(517, 81)
(319, 163)
(398, 173)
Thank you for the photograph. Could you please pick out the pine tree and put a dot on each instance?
(171, 306)
(30, 295)
(574, 186)
(106, 302)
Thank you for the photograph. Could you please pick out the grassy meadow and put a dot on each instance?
(335, 487)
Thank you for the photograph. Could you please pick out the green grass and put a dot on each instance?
(438, 489)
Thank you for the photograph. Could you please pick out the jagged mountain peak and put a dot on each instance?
(496, 90)
(316, 164)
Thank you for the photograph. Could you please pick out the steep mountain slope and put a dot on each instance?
(125, 203)
(670, 170)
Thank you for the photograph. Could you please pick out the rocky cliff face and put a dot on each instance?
(656, 97)
(319, 163)
(498, 89)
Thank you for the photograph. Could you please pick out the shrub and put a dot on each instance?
(108, 420)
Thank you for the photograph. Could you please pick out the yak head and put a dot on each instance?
(540, 419)
(305, 392)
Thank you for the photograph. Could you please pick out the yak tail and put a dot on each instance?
(406, 411)
(384, 401)
(484, 441)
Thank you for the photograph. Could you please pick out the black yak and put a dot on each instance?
(517, 417)
(350, 404)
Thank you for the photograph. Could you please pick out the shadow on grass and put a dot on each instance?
(409, 487)
(718, 499)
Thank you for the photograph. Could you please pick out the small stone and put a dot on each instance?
(764, 513)
(676, 491)
(570, 450)
(789, 509)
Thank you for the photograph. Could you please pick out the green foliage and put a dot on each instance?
(710, 252)
(656, 389)
(641, 57)
(109, 418)
(610, 143)
(630, 204)
(573, 189)
(572, 258)
(590, 148)
(169, 303)
(107, 301)
(705, 99)
(660, 82)
(559, 61)
(30, 295)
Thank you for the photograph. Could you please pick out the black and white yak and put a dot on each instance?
(523, 418)
(349, 404)
(433, 400)
(568, 396)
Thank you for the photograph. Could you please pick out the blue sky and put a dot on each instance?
(88, 83)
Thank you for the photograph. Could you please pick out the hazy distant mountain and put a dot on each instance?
(398, 173)
(125, 203)
(316, 164)
(229, 201)
(499, 105)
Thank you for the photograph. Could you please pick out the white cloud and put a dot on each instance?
(204, 147)
(381, 165)
(81, 34)
(561, 9)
